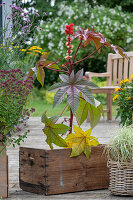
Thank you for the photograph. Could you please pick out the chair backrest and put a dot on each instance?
(119, 68)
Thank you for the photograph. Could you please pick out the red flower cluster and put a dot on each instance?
(69, 29)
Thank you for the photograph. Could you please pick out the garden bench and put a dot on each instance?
(117, 68)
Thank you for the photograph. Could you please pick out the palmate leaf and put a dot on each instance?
(95, 112)
(52, 131)
(72, 85)
(59, 96)
(82, 111)
(73, 98)
(38, 70)
(98, 39)
(81, 141)
(48, 63)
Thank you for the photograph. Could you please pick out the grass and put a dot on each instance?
(41, 106)
(121, 145)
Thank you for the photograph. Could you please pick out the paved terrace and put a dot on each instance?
(36, 139)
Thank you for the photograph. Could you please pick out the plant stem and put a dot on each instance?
(77, 120)
(71, 121)
(62, 112)
(89, 55)
(76, 51)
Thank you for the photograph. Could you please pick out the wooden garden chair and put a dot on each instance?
(117, 68)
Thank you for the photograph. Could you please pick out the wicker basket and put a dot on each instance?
(121, 178)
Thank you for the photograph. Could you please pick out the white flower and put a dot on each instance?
(50, 35)
(129, 40)
(122, 25)
(85, 11)
(76, 17)
(92, 16)
(59, 13)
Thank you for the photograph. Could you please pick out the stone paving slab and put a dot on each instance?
(36, 139)
(89, 195)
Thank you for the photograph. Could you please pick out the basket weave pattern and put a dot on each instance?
(121, 178)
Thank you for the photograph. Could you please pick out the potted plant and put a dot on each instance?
(61, 167)
(13, 97)
(120, 162)
(16, 56)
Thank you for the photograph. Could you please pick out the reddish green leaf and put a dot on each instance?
(41, 75)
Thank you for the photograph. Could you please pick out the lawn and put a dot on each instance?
(42, 106)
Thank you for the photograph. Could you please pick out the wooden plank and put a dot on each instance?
(120, 67)
(117, 56)
(109, 106)
(109, 69)
(32, 170)
(3, 175)
(131, 67)
(60, 173)
(115, 72)
(107, 90)
(125, 68)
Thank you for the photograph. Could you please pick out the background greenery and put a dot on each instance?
(113, 18)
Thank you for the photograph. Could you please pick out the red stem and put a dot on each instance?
(62, 112)
(71, 120)
(77, 120)
(89, 55)
(76, 51)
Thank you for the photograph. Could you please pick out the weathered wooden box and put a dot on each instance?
(54, 172)
(3, 175)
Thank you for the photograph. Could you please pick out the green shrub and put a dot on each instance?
(115, 24)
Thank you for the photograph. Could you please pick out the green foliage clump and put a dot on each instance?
(13, 111)
(121, 145)
(124, 100)
(115, 24)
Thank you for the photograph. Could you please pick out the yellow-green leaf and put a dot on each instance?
(52, 131)
(81, 141)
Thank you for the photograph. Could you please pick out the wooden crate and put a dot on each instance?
(3, 175)
(54, 172)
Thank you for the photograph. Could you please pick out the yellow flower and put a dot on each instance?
(35, 47)
(132, 76)
(121, 82)
(37, 51)
(29, 53)
(115, 97)
(15, 46)
(22, 49)
(9, 49)
(126, 80)
(128, 98)
(118, 89)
